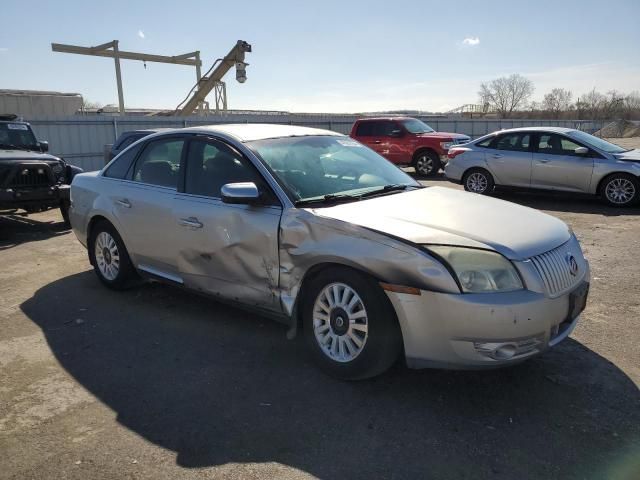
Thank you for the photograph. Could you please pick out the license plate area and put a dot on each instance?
(578, 301)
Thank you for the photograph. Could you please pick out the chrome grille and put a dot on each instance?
(30, 177)
(460, 141)
(555, 270)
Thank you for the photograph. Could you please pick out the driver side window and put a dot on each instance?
(553, 144)
(211, 164)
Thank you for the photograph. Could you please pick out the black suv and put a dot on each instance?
(30, 178)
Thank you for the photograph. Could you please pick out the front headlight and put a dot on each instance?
(480, 271)
(446, 145)
(57, 168)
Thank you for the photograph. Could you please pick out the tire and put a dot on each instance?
(64, 211)
(427, 163)
(478, 180)
(620, 190)
(339, 347)
(105, 247)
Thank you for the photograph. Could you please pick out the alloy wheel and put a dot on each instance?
(107, 256)
(620, 191)
(477, 182)
(424, 165)
(340, 322)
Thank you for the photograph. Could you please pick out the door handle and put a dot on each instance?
(191, 222)
(377, 141)
(544, 160)
(124, 202)
(497, 155)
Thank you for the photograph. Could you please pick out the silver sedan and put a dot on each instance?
(316, 230)
(548, 158)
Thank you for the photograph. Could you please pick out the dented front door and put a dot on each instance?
(229, 250)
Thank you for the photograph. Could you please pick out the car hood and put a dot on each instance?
(443, 135)
(630, 156)
(440, 215)
(24, 155)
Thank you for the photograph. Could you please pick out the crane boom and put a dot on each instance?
(204, 86)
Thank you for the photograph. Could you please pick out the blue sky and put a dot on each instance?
(334, 56)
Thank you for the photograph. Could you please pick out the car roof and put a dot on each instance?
(537, 129)
(247, 132)
(391, 117)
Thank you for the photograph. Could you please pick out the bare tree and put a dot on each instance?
(557, 101)
(506, 94)
(631, 106)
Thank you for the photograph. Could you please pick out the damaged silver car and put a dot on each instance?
(315, 229)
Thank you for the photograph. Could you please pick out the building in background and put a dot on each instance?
(34, 103)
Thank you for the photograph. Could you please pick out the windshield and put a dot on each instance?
(414, 125)
(318, 166)
(17, 135)
(596, 142)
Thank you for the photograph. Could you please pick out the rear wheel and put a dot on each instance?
(620, 190)
(349, 324)
(478, 180)
(109, 257)
(427, 163)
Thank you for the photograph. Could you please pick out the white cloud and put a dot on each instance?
(471, 41)
(140, 33)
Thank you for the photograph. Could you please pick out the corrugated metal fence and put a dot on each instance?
(81, 139)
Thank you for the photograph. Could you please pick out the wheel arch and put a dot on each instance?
(601, 182)
(420, 150)
(314, 271)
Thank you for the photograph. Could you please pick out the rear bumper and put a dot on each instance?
(50, 196)
(474, 331)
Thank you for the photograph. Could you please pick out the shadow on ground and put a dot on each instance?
(544, 200)
(17, 228)
(218, 385)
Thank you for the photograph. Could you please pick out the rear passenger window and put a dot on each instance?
(485, 143)
(159, 163)
(121, 165)
(516, 142)
(365, 129)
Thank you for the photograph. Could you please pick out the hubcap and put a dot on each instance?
(424, 165)
(477, 182)
(107, 256)
(620, 190)
(340, 322)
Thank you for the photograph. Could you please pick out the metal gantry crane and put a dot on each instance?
(212, 80)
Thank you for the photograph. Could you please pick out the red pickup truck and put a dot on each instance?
(407, 141)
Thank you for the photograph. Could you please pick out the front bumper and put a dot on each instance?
(467, 331)
(44, 196)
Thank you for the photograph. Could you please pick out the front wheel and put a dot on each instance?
(64, 211)
(620, 190)
(427, 163)
(350, 325)
(478, 180)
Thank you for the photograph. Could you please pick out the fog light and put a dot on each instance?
(505, 352)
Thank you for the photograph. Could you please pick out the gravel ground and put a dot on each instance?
(159, 383)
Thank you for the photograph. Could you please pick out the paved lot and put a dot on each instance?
(158, 383)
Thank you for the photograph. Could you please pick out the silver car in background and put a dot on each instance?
(318, 231)
(548, 158)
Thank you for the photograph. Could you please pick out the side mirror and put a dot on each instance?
(44, 146)
(243, 193)
(581, 150)
(396, 133)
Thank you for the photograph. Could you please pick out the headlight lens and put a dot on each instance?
(446, 145)
(480, 271)
(57, 168)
